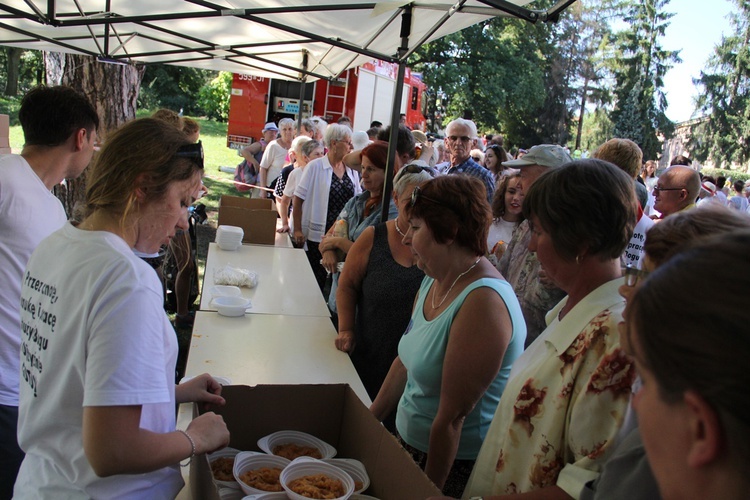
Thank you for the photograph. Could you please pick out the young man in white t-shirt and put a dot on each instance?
(59, 126)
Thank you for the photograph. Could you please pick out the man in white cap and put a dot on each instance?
(708, 195)
(519, 265)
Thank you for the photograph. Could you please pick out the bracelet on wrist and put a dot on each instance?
(192, 447)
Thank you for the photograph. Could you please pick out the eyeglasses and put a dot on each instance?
(192, 151)
(417, 194)
(633, 274)
(657, 189)
(455, 138)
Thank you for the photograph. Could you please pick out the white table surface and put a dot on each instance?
(270, 349)
(286, 284)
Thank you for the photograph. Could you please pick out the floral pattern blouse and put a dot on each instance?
(562, 408)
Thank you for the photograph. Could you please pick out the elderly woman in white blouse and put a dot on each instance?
(323, 190)
(276, 154)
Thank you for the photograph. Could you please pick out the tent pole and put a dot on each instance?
(396, 112)
(302, 90)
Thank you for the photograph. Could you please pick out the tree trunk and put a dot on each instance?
(13, 70)
(584, 95)
(112, 89)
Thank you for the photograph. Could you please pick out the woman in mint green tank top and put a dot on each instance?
(466, 330)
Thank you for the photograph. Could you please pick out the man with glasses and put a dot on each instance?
(59, 127)
(460, 139)
(676, 190)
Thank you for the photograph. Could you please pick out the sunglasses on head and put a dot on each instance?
(193, 152)
(413, 168)
(417, 194)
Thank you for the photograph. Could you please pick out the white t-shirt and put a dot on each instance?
(292, 181)
(500, 230)
(634, 252)
(722, 197)
(274, 159)
(29, 212)
(290, 186)
(95, 334)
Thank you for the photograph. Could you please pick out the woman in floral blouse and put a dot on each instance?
(567, 394)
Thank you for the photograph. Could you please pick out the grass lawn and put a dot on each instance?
(214, 138)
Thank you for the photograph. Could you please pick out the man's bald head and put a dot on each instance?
(677, 188)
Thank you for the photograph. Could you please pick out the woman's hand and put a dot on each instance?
(330, 260)
(209, 432)
(283, 229)
(201, 389)
(345, 341)
(330, 243)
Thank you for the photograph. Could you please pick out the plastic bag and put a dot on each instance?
(235, 276)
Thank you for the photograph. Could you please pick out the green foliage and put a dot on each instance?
(214, 97)
(735, 175)
(30, 69)
(725, 137)
(518, 78)
(173, 87)
(639, 67)
(10, 106)
(597, 129)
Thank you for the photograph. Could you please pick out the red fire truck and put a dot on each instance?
(364, 94)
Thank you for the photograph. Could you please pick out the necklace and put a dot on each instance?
(398, 229)
(454, 284)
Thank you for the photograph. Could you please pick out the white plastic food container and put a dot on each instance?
(306, 466)
(355, 469)
(268, 443)
(224, 453)
(231, 306)
(250, 460)
(229, 237)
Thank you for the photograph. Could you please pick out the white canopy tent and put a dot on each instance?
(270, 38)
(291, 39)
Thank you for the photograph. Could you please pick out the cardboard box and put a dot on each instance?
(255, 216)
(332, 413)
(5, 151)
(4, 125)
(4, 142)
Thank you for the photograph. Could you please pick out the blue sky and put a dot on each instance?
(696, 28)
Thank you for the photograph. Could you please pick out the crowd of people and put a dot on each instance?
(533, 325)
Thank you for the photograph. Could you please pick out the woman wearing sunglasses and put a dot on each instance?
(466, 330)
(97, 405)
